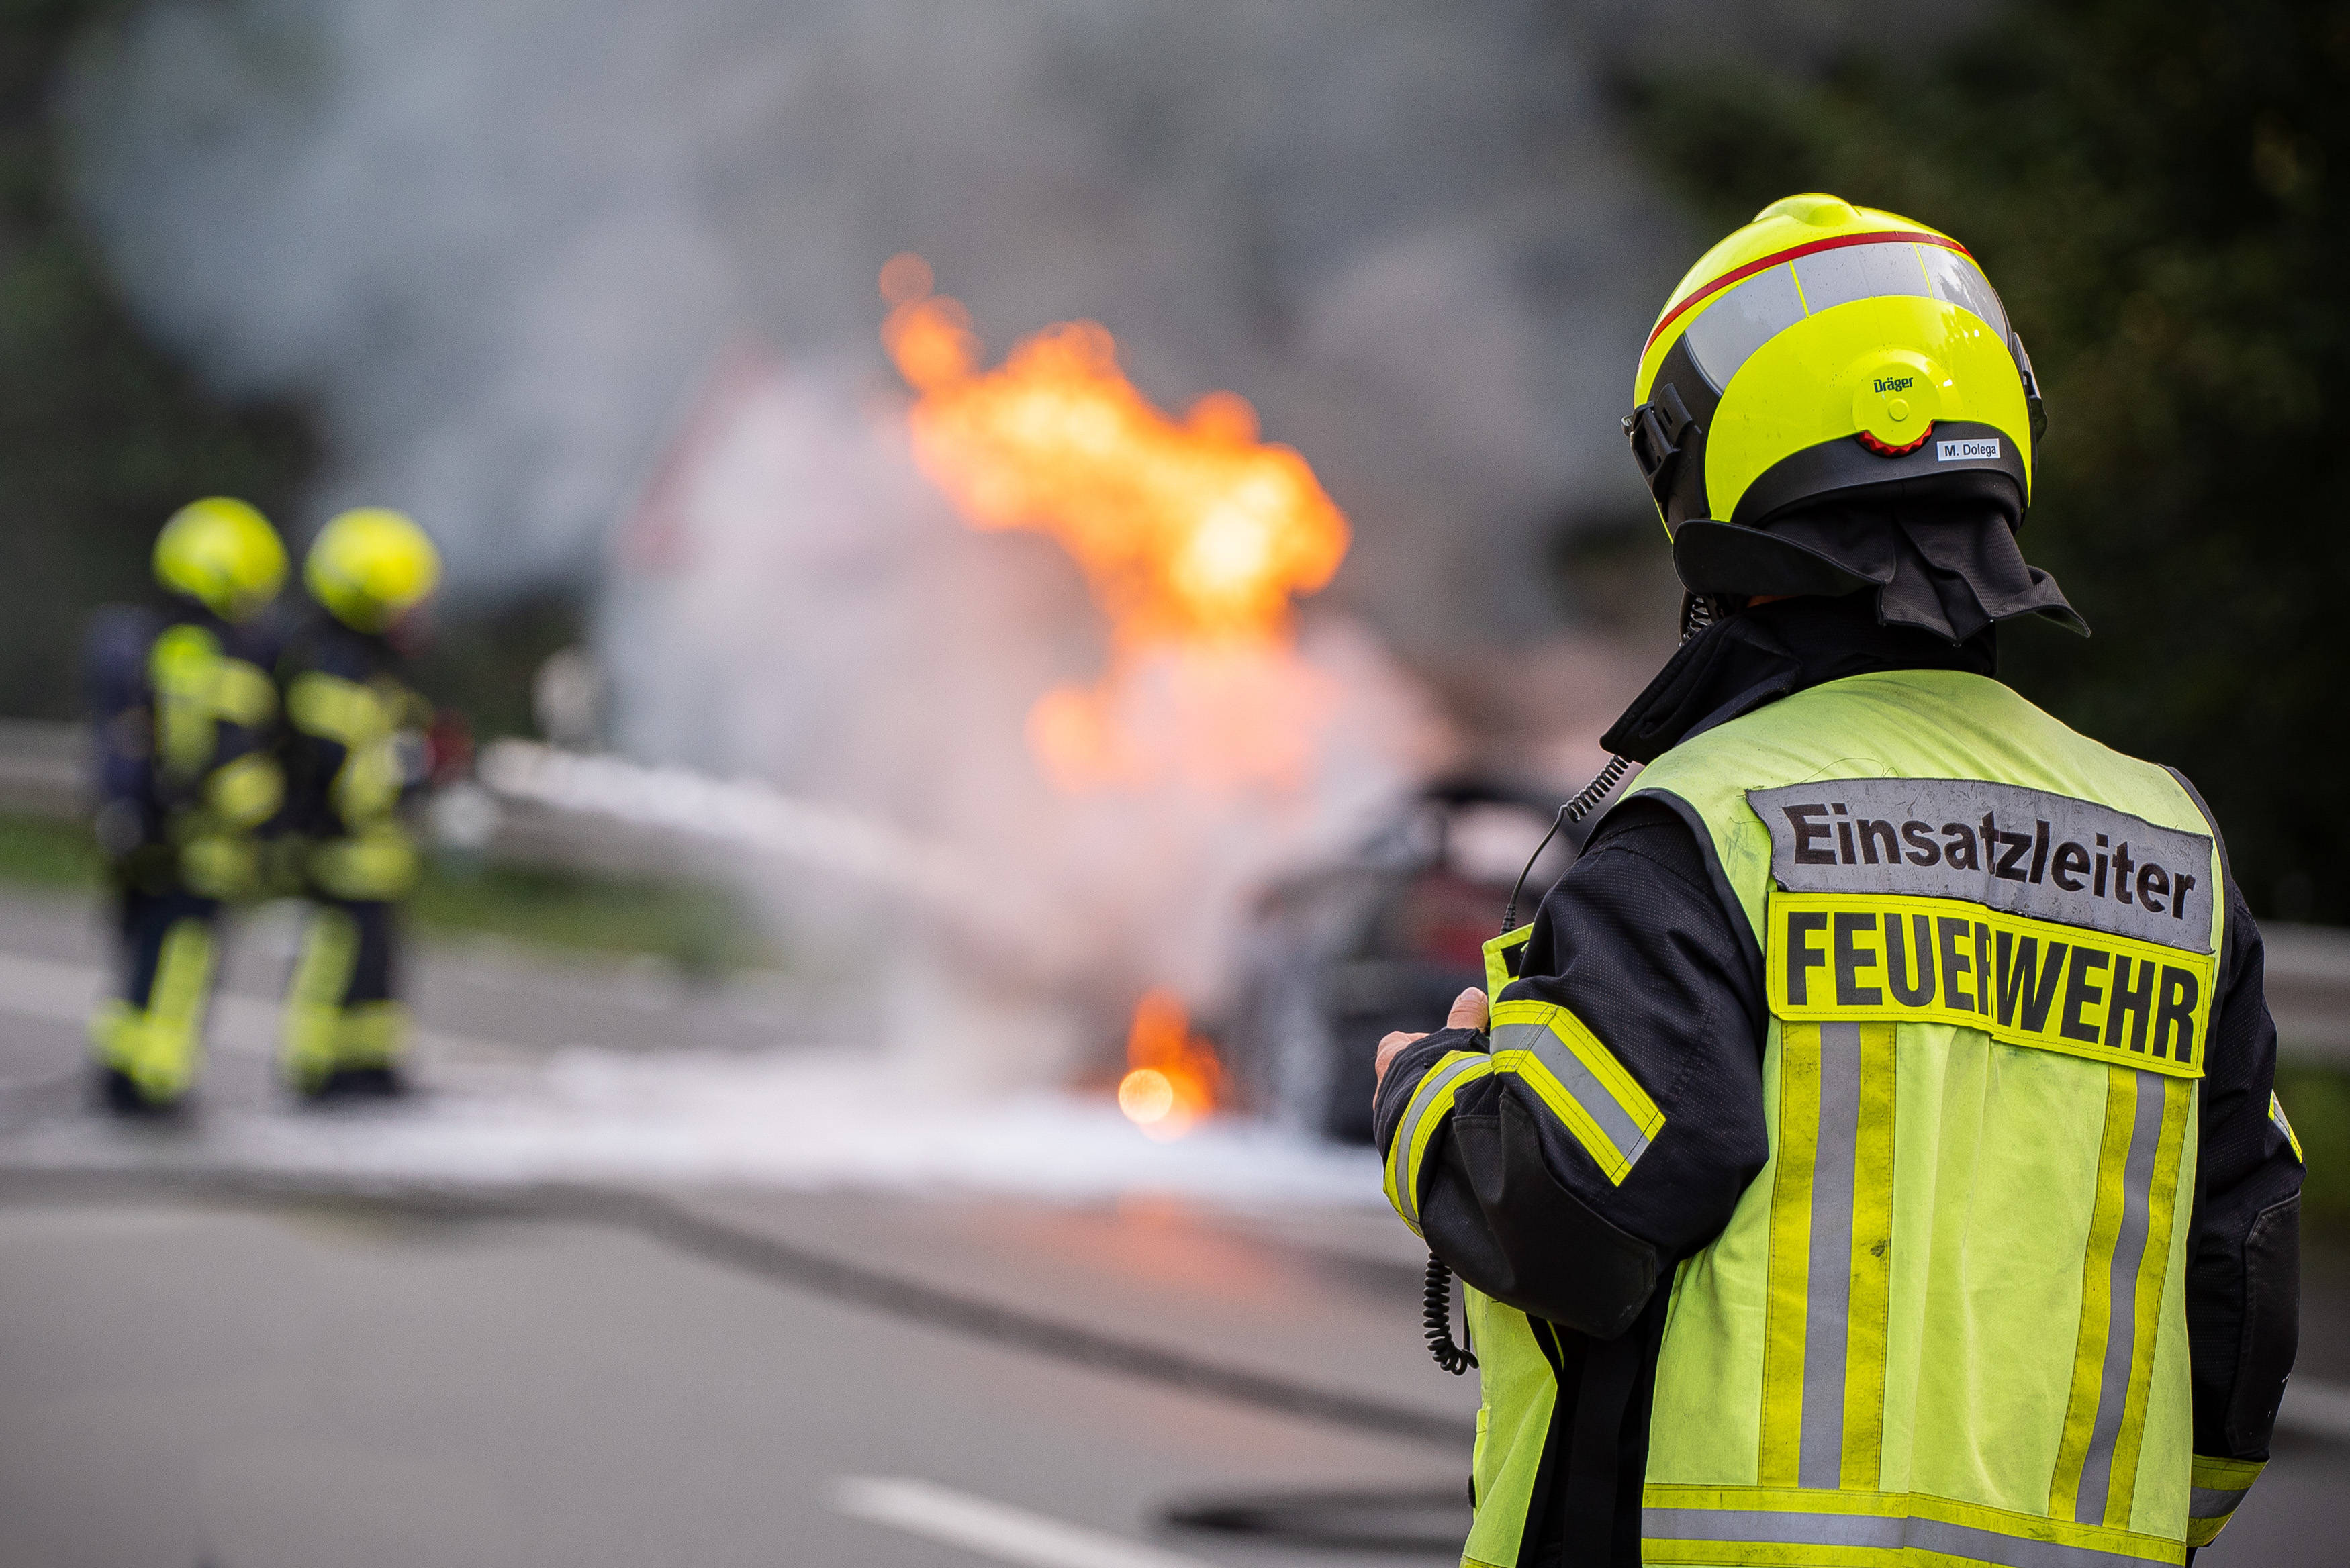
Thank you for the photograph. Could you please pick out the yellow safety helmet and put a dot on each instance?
(223, 554)
(370, 565)
(1826, 350)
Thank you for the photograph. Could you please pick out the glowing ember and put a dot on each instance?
(1172, 1076)
(1195, 537)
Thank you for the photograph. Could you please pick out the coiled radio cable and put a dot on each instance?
(1436, 1295)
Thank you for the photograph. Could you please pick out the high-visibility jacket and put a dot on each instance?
(354, 753)
(1945, 1322)
(181, 720)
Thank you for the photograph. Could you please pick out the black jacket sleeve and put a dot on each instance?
(1638, 944)
(2244, 1270)
(119, 707)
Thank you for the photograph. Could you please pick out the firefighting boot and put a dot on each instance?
(346, 1052)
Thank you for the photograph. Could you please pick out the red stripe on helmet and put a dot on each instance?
(1877, 237)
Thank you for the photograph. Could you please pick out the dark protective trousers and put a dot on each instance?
(152, 1030)
(340, 1011)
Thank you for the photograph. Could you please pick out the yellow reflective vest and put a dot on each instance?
(1946, 1323)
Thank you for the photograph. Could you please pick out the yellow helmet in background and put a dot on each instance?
(370, 565)
(223, 554)
(1823, 349)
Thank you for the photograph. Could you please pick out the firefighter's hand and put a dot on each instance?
(1468, 1013)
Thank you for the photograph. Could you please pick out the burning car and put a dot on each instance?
(1339, 955)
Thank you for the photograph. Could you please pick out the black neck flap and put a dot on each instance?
(1759, 655)
(1937, 554)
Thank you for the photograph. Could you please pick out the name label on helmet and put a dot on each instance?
(1981, 449)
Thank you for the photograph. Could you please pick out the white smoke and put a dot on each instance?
(497, 241)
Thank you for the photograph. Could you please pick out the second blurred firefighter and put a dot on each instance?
(353, 750)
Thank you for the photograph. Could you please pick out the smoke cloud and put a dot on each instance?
(499, 241)
(587, 285)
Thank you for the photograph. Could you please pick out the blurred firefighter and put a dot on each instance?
(1869, 1154)
(354, 752)
(182, 715)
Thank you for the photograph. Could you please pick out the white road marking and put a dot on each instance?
(993, 1529)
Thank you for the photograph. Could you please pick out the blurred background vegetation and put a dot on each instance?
(2156, 187)
(102, 436)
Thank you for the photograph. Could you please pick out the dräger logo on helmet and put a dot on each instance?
(2001, 846)
(1979, 448)
(1893, 383)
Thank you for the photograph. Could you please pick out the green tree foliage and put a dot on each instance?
(2157, 187)
(101, 434)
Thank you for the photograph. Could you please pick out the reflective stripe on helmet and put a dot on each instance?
(1767, 302)
(1736, 276)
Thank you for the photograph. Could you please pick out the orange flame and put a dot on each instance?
(1172, 1077)
(1195, 537)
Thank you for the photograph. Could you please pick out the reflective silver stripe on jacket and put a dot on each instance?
(1826, 1328)
(2093, 1505)
(1407, 1133)
(1594, 1098)
(2210, 1503)
(1770, 1527)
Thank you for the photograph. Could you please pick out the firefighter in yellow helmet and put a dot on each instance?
(1867, 1154)
(182, 713)
(354, 753)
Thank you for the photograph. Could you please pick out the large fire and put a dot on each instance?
(1195, 537)
(1173, 1077)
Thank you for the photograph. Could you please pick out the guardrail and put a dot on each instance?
(43, 766)
(2309, 991)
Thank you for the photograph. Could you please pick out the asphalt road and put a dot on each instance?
(201, 1365)
(282, 1390)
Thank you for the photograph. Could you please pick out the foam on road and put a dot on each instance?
(804, 1120)
(799, 1118)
